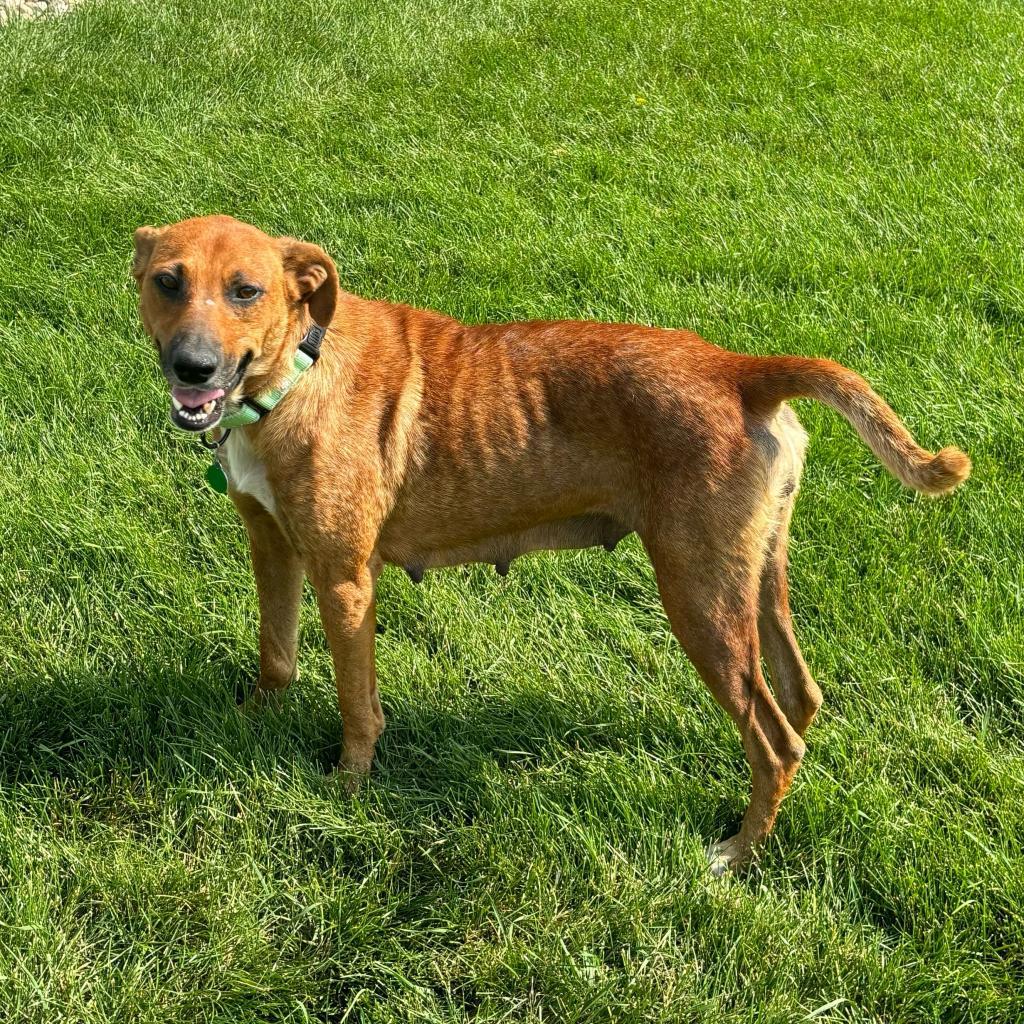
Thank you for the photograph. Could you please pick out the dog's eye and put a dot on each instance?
(168, 282)
(246, 292)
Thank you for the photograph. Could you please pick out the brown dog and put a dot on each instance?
(419, 441)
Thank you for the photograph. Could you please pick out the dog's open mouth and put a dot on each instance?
(196, 410)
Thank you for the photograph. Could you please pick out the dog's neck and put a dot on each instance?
(268, 390)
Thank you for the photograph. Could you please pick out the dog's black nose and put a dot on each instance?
(194, 364)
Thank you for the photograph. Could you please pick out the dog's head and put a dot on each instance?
(223, 303)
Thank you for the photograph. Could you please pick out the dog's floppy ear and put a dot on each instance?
(145, 239)
(312, 278)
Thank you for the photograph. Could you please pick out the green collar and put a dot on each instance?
(252, 410)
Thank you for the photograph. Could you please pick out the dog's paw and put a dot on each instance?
(352, 772)
(261, 700)
(728, 857)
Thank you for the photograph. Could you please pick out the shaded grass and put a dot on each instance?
(804, 179)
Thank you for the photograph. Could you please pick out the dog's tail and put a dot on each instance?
(767, 381)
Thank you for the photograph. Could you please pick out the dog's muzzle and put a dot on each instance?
(196, 410)
(198, 406)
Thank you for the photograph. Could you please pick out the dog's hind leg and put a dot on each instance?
(797, 693)
(279, 573)
(710, 595)
(795, 689)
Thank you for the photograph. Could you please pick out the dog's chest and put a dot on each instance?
(245, 470)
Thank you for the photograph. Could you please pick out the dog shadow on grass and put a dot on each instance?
(163, 726)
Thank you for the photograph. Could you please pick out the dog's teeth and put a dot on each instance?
(177, 405)
(208, 408)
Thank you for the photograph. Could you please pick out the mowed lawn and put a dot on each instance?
(818, 178)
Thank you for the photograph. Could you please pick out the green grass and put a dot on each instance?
(842, 180)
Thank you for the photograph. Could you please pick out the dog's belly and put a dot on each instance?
(583, 531)
(245, 470)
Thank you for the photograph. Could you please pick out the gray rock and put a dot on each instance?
(10, 9)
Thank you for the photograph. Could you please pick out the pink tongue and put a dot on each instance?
(192, 399)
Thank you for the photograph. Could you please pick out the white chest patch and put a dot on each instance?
(245, 470)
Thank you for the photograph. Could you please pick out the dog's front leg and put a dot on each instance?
(348, 613)
(278, 570)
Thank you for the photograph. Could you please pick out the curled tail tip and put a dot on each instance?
(944, 472)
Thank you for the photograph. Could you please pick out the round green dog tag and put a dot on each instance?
(217, 478)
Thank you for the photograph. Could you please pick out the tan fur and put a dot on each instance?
(420, 441)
